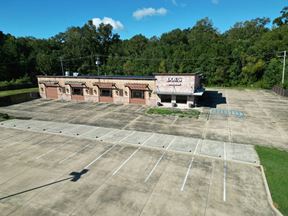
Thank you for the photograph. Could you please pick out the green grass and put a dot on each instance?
(275, 163)
(191, 113)
(17, 91)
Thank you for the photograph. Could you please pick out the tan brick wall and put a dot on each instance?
(150, 97)
(164, 83)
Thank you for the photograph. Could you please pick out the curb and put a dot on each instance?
(276, 211)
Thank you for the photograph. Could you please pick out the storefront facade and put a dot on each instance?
(168, 90)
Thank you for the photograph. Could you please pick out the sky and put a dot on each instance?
(46, 18)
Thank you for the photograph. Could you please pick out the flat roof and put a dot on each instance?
(119, 76)
(102, 77)
(175, 74)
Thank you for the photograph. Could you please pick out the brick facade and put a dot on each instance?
(88, 88)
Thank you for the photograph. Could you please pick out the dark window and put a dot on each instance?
(166, 98)
(106, 92)
(137, 94)
(181, 99)
(77, 91)
(121, 92)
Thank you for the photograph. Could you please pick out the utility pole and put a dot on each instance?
(97, 62)
(284, 65)
(284, 62)
(61, 60)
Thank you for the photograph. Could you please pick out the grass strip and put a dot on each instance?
(190, 113)
(275, 163)
(17, 91)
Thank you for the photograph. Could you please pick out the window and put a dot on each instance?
(106, 92)
(166, 98)
(90, 91)
(121, 92)
(181, 99)
(77, 91)
(137, 94)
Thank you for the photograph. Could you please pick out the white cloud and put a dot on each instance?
(117, 25)
(141, 13)
(215, 2)
(178, 3)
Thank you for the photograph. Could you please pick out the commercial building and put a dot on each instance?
(169, 90)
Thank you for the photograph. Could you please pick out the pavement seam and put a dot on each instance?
(210, 183)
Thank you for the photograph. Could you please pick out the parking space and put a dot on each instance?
(122, 178)
(247, 116)
(204, 147)
(68, 158)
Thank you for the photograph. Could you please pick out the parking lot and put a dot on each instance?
(52, 173)
(68, 158)
(264, 120)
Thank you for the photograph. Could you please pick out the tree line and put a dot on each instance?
(248, 54)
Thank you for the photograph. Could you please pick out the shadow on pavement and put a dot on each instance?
(75, 176)
(211, 99)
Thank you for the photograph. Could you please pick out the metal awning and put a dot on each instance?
(137, 86)
(50, 83)
(74, 84)
(199, 91)
(104, 85)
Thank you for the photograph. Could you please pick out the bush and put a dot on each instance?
(4, 116)
(20, 83)
(174, 112)
(285, 85)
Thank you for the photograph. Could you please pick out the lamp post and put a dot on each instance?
(97, 62)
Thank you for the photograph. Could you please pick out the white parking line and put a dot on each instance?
(92, 162)
(109, 133)
(196, 147)
(224, 175)
(126, 136)
(161, 157)
(170, 143)
(42, 155)
(71, 155)
(148, 139)
(137, 110)
(208, 192)
(187, 173)
(147, 178)
(88, 131)
(114, 173)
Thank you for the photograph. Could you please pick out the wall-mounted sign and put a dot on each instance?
(174, 81)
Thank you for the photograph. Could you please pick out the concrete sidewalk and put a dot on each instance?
(203, 147)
